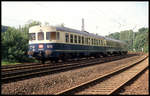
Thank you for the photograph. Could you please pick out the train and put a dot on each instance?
(61, 43)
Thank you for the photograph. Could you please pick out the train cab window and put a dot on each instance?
(71, 38)
(82, 40)
(79, 39)
(67, 37)
(31, 36)
(75, 38)
(53, 36)
(48, 35)
(40, 35)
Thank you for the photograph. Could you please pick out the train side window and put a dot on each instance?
(67, 37)
(79, 39)
(57, 35)
(75, 38)
(31, 36)
(86, 40)
(82, 40)
(40, 35)
(102, 42)
(89, 41)
(48, 35)
(105, 43)
(96, 42)
(71, 38)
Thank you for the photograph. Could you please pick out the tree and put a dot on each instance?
(139, 41)
(115, 35)
(46, 23)
(127, 36)
(15, 42)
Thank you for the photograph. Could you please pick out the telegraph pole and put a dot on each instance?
(82, 25)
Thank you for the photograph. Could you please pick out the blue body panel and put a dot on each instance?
(60, 48)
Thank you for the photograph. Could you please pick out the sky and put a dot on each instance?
(102, 18)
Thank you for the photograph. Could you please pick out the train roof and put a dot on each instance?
(61, 28)
(119, 41)
(86, 33)
(78, 32)
(66, 29)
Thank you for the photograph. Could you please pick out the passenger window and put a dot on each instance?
(89, 41)
(94, 41)
(75, 38)
(100, 42)
(40, 35)
(79, 39)
(71, 38)
(31, 36)
(82, 40)
(86, 40)
(67, 37)
(48, 35)
(57, 35)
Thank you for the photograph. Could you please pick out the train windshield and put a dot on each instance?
(40, 35)
(31, 36)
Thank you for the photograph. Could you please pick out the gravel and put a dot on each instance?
(56, 82)
(139, 86)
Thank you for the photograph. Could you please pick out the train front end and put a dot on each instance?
(41, 42)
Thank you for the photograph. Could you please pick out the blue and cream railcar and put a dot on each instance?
(54, 43)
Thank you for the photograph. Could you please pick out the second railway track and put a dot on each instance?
(108, 83)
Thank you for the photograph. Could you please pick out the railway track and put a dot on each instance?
(31, 65)
(20, 73)
(109, 83)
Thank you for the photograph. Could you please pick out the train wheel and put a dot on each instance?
(56, 60)
(43, 61)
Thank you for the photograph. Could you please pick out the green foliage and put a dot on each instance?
(141, 40)
(135, 40)
(114, 36)
(15, 43)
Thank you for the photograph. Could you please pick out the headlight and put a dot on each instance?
(32, 46)
(49, 46)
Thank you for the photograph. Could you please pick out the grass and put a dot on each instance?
(4, 63)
